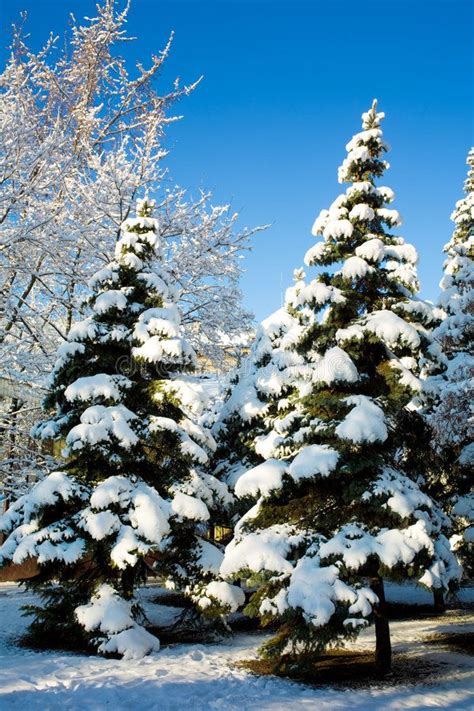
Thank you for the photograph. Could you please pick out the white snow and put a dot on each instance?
(57, 485)
(361, 213)
(313, 293)
(26, 539)
(265, 550)
(66, 351)
(210, 557)
(206, 487)
(313, 460)
(207, 677)
(267, 445)
(355, 268)
(172, 350)
(354, 545)
(191, 392)
(128, 547)
(364, 136)
(386, 192)
(335, 366)
(315, 588)
(319, 223)
(464, 506)
(106, 611)
(270, 380)
(406, 377)
(187, 445)
(130, 511)
(423, 310)
(112, 299)
(315, 253)
(148, 513)
(186, 506)
(155, 282)
(402, 251)
(114, 490)
(132, 261)
(404, 273)
(363, 187)
(231, 597)
(365, 422)
(386, 325)
(372, 249)
(99, 524)
(346, 334)
(390, 328)
(81, 330)
(335, 229)
(94, 386)
(132, 643)
(159, 333)
(102, 276)
(193, 450)
(392, 217)
(404, 496)
(158, 321)
(98, 423)
(278, 323)
(51, 543)
(111, 616)
(262, 479)
(356, 155)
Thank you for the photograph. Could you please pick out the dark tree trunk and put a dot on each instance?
(383, 646)
(438, 599)
(128, 582)
(4, 504)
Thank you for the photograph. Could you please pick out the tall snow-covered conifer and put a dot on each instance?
(335, 513)
(453, 391)
(127, 415)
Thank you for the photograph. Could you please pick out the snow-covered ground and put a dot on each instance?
(200, 677)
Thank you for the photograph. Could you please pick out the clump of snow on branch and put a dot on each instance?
(110, 618)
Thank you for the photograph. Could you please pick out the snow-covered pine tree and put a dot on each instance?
(452, 392)
(338, 514)
(126, 409)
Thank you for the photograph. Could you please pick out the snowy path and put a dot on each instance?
(203, 677)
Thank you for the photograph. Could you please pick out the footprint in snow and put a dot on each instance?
(196, 655)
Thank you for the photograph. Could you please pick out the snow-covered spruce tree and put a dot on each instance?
(452, 392)
(336, 513)
(129, 421)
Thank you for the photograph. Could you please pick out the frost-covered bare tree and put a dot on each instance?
(22, 460)
(80, 135)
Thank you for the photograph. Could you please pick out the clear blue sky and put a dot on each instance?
(285, 84)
